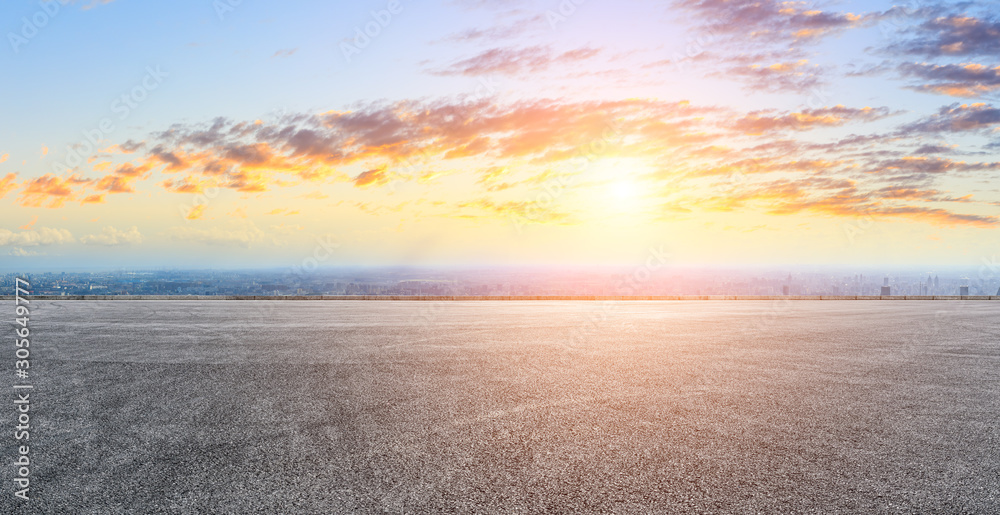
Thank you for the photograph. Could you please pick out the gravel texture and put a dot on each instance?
(511, 407)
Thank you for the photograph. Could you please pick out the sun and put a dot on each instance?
(624, 190)
(619, 189)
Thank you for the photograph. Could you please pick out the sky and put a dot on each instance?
(243, 133)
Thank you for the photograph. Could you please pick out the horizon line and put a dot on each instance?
(501, 297)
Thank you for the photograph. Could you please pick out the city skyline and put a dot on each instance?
(642, 280)
(225, 134)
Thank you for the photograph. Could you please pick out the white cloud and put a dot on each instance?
(111, 237)
(35, 237)
(19, 252)
(215, 236)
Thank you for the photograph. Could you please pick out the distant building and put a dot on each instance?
(885, 291)
(784, 290)
(963, 291)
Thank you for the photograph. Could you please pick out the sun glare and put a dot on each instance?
(624, 190)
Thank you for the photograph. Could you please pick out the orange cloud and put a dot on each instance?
(27, 226)
(189, 184)
(51, 189)
(115, 184)
(196, 213)
(521, 213)
(315, 195)
(755, 124)
(7, 184)
(282, 211)
(377, 176)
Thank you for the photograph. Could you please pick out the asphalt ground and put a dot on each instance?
(509, 407)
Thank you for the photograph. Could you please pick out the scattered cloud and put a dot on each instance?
(796, 76)
(499, 32)
(197, 212)
(953, 35)
(35, 237)
(283, 212)
(519, 212)
(771, 20)
(29, 225)
(51, 191)
(284, 53)
(315, 195)
(957, 118)
(761, 122)
(7, 184)
(957, 80)
(19, 252)
(516, 61)
(377, 177)
(90, 4)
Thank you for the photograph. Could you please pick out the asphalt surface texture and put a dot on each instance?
(509, 407)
